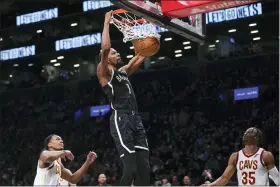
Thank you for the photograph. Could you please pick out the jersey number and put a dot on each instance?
(248, 177)
(128, 88)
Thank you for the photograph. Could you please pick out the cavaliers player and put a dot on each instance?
(253, 164)
(50, 170)
(125, 123)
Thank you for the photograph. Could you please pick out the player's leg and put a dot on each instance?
(120, 130)
(142, 154)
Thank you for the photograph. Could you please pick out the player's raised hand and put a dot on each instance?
(91, 157)
(67, 155)
(108, 17)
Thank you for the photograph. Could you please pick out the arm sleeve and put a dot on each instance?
(274, 174)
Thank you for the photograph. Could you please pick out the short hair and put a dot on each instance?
(47, 141)
(259, 137)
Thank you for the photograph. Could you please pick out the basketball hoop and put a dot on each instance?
(131, 27)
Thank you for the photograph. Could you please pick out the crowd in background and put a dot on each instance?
(191, 119)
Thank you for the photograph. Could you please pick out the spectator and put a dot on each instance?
(164, 182)
(191, 126)
(174, 181)
(102, 180)
(187, 181)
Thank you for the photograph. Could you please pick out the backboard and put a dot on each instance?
(183, 17)
(193, 28)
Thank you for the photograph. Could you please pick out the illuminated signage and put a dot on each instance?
(77, 42)
(37, 16)
(234, 13)
(246, 93)
(94, 5)
(99, 110)
(15, 53)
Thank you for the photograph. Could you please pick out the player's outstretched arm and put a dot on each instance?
(223, 180)
(268, 159)
(135, 62)
(75, 177)
(50, 156)
(102, 68)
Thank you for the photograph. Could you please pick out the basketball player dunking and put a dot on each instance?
(50, 170)
(125, 123)
(253, 164)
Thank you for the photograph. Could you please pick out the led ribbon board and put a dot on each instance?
(94, 5)
(246, 93)
(77, 42)
(235, 13)
(37, 16)
(99, 110)
(16, 53)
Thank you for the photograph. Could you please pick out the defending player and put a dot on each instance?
(253, 164)
(125, 123)
(50, 170)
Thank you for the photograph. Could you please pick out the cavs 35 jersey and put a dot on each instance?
(251, 169)
(48, 176)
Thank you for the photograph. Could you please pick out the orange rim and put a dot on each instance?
(120, 11)
(129, 21)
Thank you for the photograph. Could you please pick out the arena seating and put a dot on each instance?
(192, 121)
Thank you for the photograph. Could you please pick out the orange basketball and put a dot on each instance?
(148, 46)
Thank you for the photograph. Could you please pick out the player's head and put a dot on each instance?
(102, 179)
(252, 136)
(53, 142)
(114, 57)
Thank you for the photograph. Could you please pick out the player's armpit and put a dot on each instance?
(133, 64)
(223, 180)
(268, 159)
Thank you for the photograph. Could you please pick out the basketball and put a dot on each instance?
(148, 46)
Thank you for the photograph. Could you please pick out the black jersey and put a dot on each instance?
(119, 92)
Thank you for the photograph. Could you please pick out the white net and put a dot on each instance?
(133, 28)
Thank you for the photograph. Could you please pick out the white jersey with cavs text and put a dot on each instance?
(251, 169)
(49, 175)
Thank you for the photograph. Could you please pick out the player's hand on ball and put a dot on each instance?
(108, 17)
(67, 155)
(91, 157)
(135, 44)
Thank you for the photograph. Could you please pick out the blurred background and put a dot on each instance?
(187, 92)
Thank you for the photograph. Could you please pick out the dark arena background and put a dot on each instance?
(196, 101)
